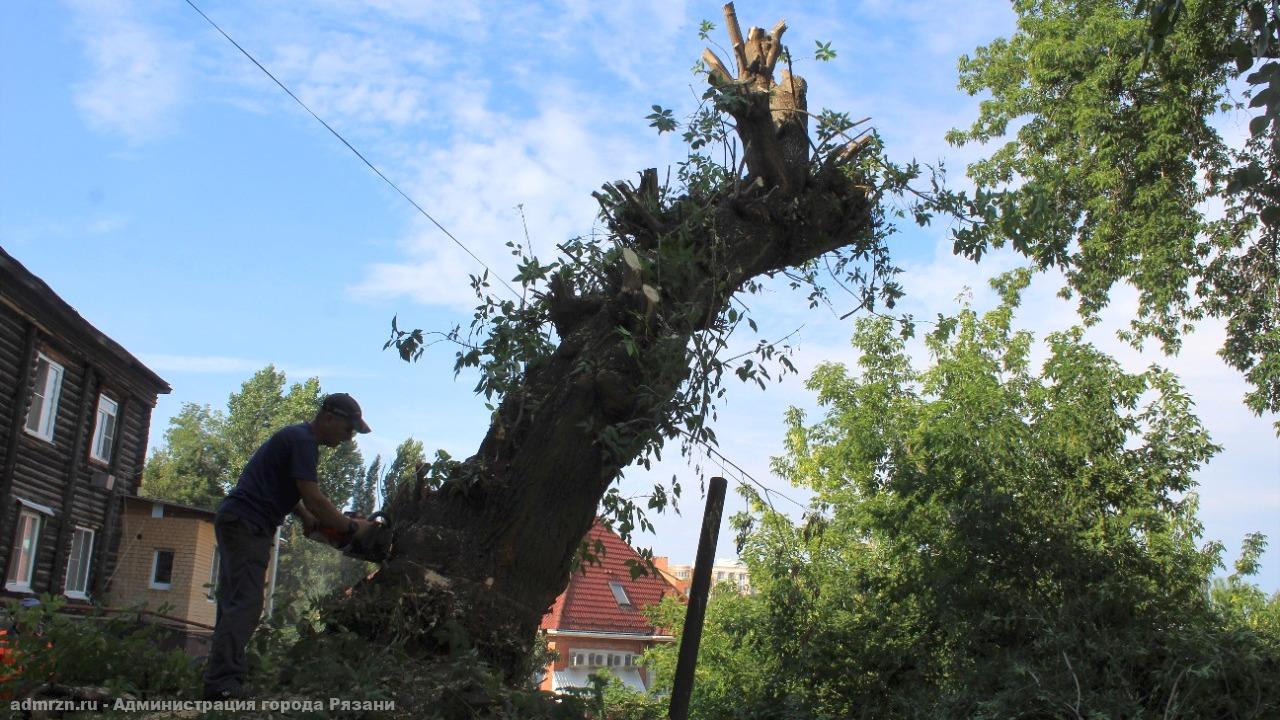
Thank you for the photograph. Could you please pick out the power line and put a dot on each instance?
(352, 148)
(443, 229)
(743, 473)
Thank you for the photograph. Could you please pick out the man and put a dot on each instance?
(280, 478)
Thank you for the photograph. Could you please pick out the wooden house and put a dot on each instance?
(75, 411)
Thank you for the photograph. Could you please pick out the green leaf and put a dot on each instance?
(661, 118)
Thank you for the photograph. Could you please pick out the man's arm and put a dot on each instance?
(323, 512)
(309, 522)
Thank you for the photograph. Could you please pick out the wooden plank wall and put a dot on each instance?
(13, 331)
(41, 470)
(17, 347)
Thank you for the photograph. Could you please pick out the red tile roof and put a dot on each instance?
(588, 603)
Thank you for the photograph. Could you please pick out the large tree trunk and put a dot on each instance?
(488, 552)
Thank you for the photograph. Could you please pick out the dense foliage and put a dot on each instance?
(991, 540)
(293, 657)
(1110, 163)
(121, 652)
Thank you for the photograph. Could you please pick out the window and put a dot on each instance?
(162, 570)
(42, 416)
(23, 562)
(213, 574)
(78, 563)
(620, 594)
(104, 430)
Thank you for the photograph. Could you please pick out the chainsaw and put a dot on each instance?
(372, 542)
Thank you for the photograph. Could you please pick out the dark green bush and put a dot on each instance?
(120, 652)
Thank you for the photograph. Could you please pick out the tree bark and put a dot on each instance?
(485, 555)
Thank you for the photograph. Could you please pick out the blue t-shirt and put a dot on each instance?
(267, 489)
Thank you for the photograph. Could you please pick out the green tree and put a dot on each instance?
(191, 468)
(403, 469)
(341, 473)
(1108, 164)
(365, 500)
(262, 406)
(990, 540)
(598, 358)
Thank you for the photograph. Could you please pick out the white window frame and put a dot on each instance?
(620, 594)
(28, 520)
(214, 570)
(102, 445)
(155, 565)
(49, 395)
(83, 565)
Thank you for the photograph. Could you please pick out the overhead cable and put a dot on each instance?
(351, 147)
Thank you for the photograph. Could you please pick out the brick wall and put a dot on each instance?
(192, 541)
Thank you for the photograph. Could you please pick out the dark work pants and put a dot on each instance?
(245, 552)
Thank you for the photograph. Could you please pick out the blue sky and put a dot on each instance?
(169, 191)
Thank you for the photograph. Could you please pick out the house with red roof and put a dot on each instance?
(598, 622)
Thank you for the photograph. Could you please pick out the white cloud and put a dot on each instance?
(78, 229)
(637, 42)
(223, 365)
(136, 75)
(363, 81)
(548, 163)
(199, 363)
(427, 12)
(106, 225)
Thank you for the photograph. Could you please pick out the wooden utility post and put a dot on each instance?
(697, 609)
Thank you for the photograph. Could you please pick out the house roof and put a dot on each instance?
(140, 500)
(64, 318)
(589, 603)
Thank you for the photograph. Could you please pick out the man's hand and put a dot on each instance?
(363, 528)
(324, 512)
(371, 541)
(309, 522)
(356, 528)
